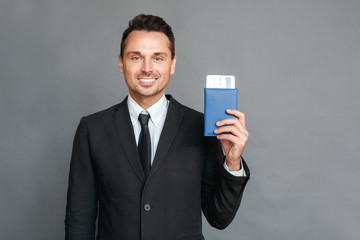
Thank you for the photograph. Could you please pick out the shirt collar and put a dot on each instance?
(155, 111)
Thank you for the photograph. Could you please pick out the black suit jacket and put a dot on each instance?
(186, 176)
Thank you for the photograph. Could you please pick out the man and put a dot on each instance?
(160, 198)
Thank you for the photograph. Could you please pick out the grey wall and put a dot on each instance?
(297, 67)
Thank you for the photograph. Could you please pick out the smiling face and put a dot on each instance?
(147, 66)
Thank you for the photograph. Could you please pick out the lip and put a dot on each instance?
(147, 81)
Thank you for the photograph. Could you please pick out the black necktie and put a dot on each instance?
(144, 145)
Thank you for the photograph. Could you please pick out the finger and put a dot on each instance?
(238, 114)
(237, 141)
(229, 129)
(233, 122)
(227, 121)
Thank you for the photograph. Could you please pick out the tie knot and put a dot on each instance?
(144, 118)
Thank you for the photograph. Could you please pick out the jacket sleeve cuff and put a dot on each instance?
(240, 173)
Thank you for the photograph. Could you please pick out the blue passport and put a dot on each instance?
(216, 101)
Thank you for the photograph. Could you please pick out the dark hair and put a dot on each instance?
(148, 23)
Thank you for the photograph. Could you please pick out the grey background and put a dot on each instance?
(297, 67)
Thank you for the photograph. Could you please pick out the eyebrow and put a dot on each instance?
(160, 53)
(139, 53)
(134, 52)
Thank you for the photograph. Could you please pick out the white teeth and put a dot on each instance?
(147, 80)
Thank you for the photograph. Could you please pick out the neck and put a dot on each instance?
(148, 101)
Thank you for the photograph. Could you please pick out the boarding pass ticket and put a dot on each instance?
(220, 81)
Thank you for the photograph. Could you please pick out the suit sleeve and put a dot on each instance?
(221, 192)
(81, 208)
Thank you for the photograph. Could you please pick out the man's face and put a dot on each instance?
(147, 65)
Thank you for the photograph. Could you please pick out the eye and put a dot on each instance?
(158, 59)
(135, 58)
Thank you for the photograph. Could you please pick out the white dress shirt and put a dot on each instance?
(156, 122)
(157, 113)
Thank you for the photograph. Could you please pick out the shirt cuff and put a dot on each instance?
(240, 173)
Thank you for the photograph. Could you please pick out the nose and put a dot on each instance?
(147, 66)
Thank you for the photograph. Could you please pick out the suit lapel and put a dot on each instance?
(125, 132)
(171, 126)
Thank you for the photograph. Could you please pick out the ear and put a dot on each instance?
(121, 65)
(173, 64)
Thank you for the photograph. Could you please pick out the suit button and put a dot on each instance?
(147, 207)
